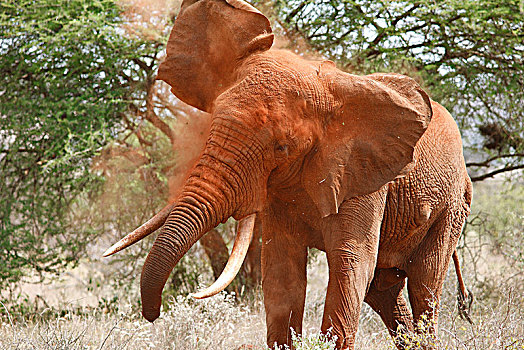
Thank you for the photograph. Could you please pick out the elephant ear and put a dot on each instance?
(369, 139)
(207, 43)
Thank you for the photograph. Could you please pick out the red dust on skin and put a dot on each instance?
(149, 19)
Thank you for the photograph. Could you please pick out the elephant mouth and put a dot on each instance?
(236, 258)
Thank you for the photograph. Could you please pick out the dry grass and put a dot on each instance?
(221, 323)
(86, 311)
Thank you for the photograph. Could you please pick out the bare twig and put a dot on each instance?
(495, 172)
(489, 160)
(108, 334)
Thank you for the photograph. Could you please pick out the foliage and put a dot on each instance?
(502, 208)
(468, 53)
(424, 338)
(66, 79)
(90, 143)
(216, 323)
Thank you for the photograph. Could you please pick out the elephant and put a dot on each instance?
(367, 169)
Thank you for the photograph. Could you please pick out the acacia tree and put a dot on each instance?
(69, 75)
(90, 142)
(467, 53)
(148, 161)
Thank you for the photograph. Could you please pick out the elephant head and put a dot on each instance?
(279, 121)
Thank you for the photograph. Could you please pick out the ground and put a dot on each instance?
(85, 308)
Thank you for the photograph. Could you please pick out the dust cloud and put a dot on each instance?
(191, 135)
(186, 127)
(149, 19)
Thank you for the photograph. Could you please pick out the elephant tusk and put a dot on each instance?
(145, 230)
(240, 247)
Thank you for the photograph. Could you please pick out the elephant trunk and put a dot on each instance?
(178, 236)
(163, 258)
(210, 196)
(194, 214)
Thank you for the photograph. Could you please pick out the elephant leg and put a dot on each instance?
(284, 261)
(392, 307)
(216, 250)
(351, 242)
(428, 268)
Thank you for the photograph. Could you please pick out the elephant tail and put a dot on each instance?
(464, 295)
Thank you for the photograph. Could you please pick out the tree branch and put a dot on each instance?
(295, 12)
(384, 31)
(142, 65)
(405, 14)
(495, 172)
(489, 160)
(153, 118)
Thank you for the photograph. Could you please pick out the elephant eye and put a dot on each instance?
(280, 148)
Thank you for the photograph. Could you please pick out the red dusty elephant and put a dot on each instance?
(365, 168)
